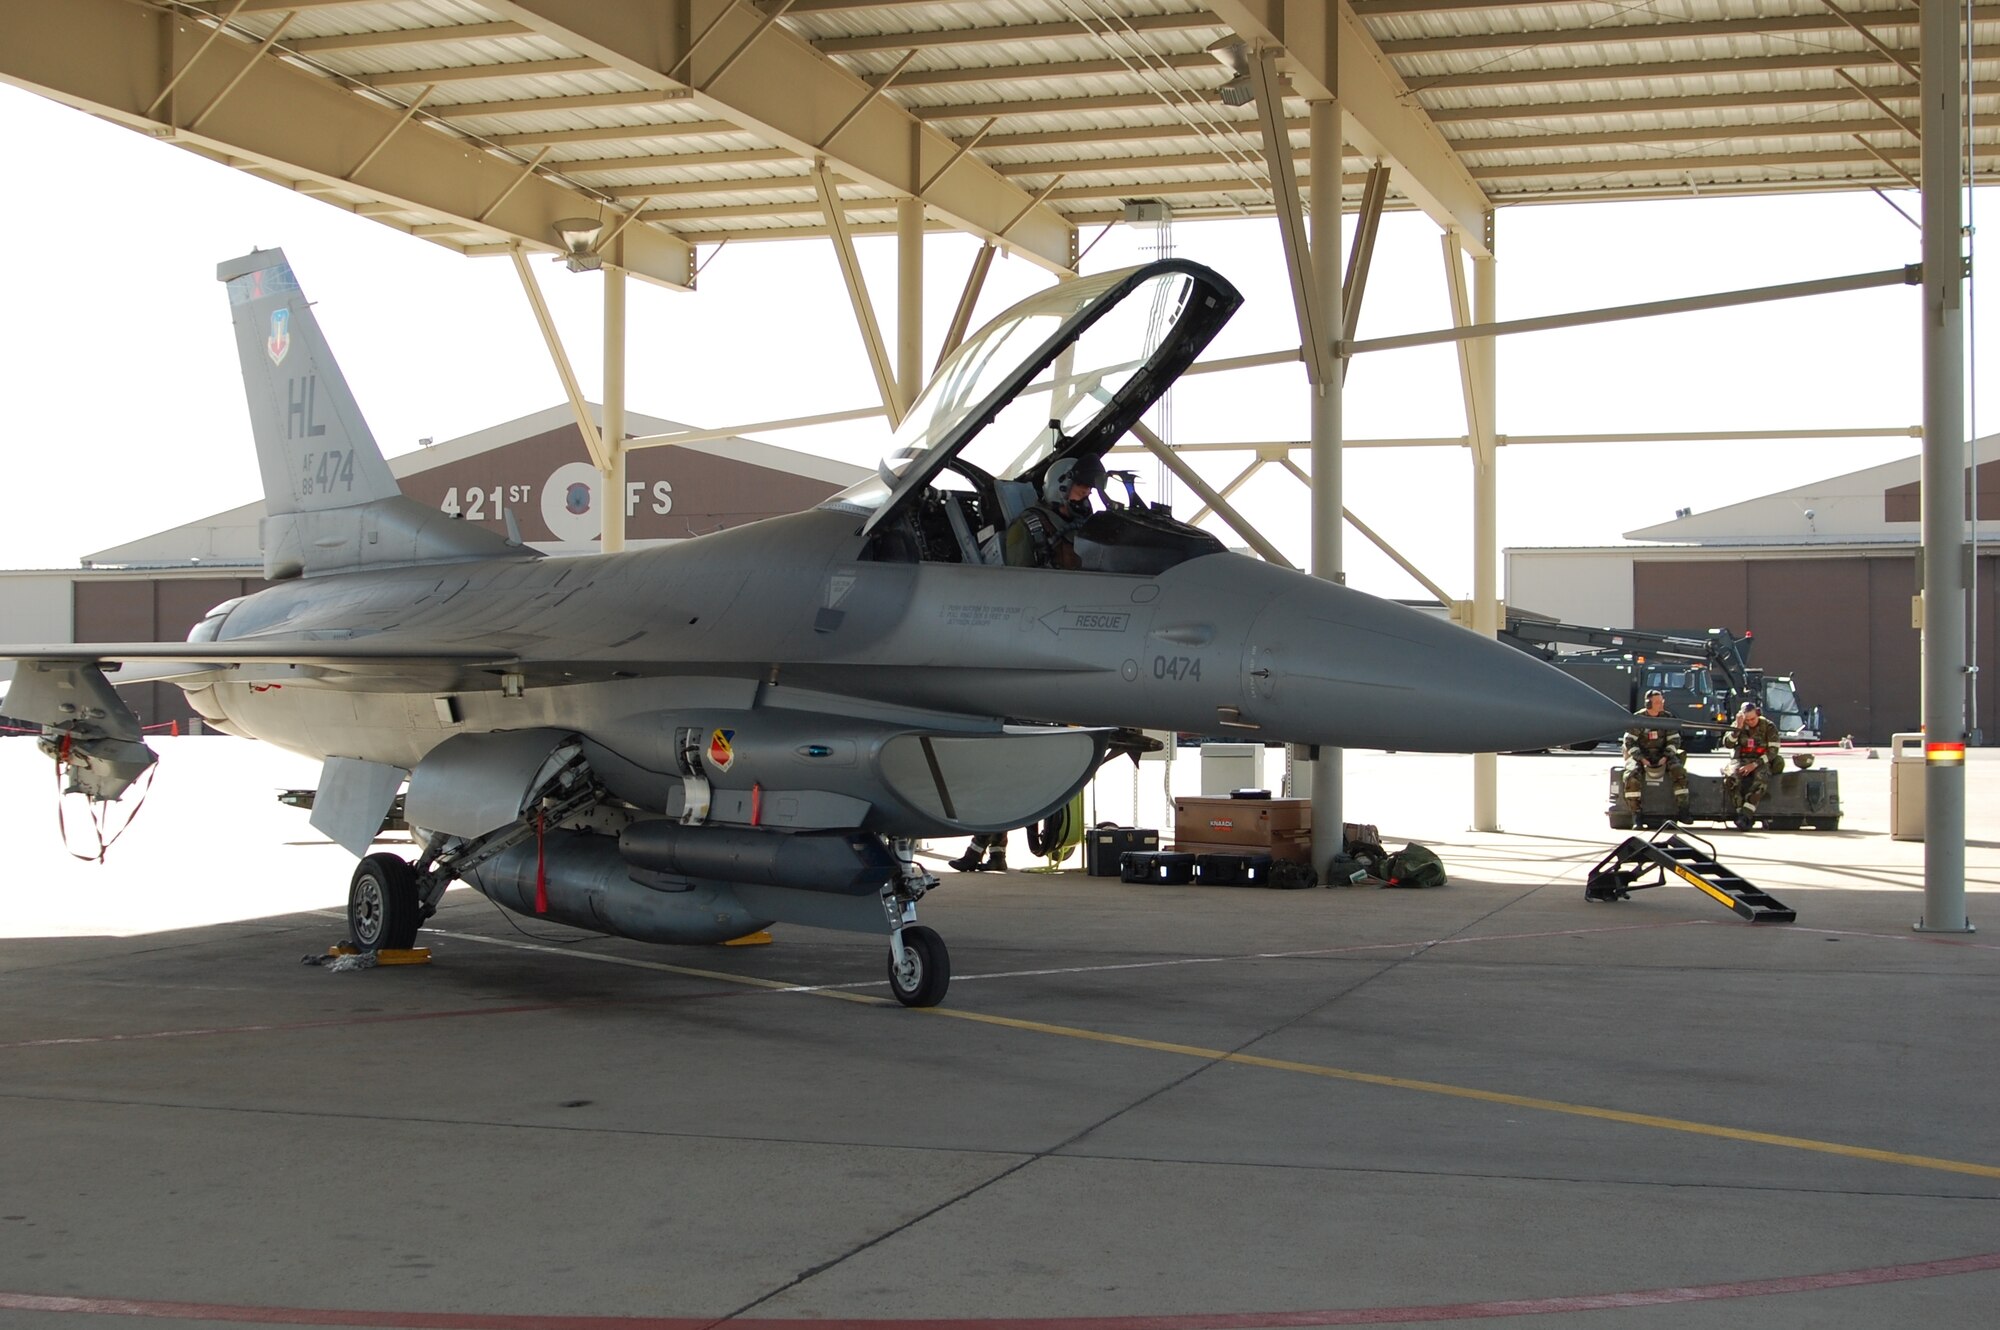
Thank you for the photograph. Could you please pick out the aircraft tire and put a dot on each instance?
(383, 909)
(923, 981)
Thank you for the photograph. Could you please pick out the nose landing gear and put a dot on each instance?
(919, 964)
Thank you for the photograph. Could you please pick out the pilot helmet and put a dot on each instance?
(1068, 471)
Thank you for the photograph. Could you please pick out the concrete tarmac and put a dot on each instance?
(1141, 1108)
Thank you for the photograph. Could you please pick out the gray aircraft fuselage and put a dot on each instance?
(782, 616)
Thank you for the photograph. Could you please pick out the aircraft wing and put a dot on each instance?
(144, 662)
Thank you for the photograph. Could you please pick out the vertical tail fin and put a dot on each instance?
(331, 503)
(312, 445)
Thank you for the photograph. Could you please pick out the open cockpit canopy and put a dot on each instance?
(1062, 374)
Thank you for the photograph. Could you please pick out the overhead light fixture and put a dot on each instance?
(1234, 55)
(578, 236)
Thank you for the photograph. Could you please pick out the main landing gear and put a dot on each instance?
(385, 908)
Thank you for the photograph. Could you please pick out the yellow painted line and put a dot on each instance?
(1487, 1096)
(1218, 1055)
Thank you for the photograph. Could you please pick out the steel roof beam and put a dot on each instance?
(778, 88)
(1063, 138)
(403, 78)
(1628, 33)
(369, 41)
(676, 161)
(615, 133)
(323, 133)
(685, 188)
(275, 6)
(846, 6)
(726, 235)
(1161, 162)
(1390, 8)
(1379, 116)
(1829, 95)
(1062, 30)
(1705, 69)
(1909, 275)
(592, 101)
(1688, 134)
(1059, 72)
(1987, 152)
(1031, 106)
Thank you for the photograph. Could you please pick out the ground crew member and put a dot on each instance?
(1041, 536)
(991, 847)
(1651, 741)
(1747, 777)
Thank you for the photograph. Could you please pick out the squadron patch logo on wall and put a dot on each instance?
(722, 750)
(280, 340)
(570, 502)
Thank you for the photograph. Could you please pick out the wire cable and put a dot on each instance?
(1972, 360)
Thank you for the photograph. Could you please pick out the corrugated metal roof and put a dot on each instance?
(1097, 101)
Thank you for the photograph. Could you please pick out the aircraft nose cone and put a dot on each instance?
(1340, 667)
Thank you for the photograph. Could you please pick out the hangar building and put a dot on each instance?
(1822, 574)
(535, 469)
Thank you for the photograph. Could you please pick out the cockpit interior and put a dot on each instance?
(1051, 384)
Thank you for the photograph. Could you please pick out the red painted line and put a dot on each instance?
(280, 1027)
(1418, 1313)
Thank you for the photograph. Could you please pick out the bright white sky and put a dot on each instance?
(123, 410)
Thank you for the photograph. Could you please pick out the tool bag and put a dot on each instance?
(1414, 866)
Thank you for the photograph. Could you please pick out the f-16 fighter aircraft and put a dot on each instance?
(685, 743)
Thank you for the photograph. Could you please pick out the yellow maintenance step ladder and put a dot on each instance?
(1692, 860)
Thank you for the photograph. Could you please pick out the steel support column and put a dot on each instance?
(1188, 476)
(1475, 373)
(613, 538)
(1315, 325)
(1485, 516)
(1329, 815)
(857, 295)
(909, 298)
(975, 281)
(546, 322)
(1943, 491)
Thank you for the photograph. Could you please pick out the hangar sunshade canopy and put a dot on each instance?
(686, 122)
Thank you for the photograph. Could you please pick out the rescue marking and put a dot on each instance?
(1434, 1311)
(1067, 620)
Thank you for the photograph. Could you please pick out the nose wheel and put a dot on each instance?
(919, 967)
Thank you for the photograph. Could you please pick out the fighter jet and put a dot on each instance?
(683, 744)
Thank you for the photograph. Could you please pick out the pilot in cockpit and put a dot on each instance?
(1041, 537)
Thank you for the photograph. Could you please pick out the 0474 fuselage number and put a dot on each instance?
(1183, 669)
